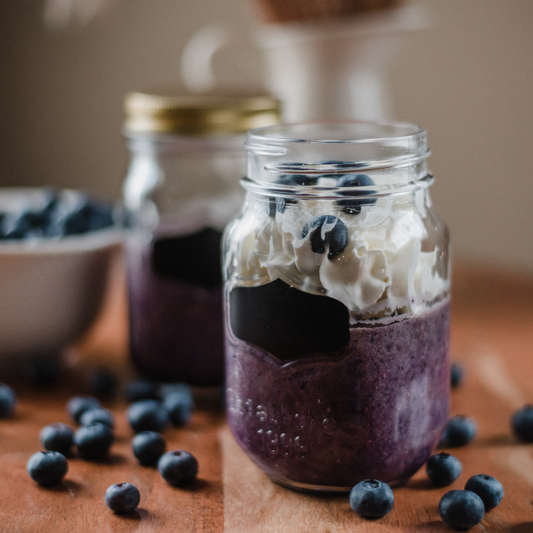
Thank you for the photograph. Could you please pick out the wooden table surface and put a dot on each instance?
(492, 336)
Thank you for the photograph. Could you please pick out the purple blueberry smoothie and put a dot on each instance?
(375, 408)
(175, 308)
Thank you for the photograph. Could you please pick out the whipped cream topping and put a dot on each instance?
(381, 273)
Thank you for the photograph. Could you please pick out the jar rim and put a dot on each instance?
(353, 132)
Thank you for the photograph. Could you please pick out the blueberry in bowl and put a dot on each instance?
(46, 213)
(53, 271)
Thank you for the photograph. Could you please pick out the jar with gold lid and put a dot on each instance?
(180, 191)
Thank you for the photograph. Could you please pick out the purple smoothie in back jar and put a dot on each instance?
(180, 192)
(175, 306)
(337, 306)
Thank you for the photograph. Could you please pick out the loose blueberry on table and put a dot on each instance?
(94, 440)
(488, 488)
(148, 447)
(443, 469)
(178, 467)
(522, 423)
(147, 415)
(77, 405)
(8, 401)
(460, 430)
(371, 498)
(179, 406)
(170, 388)
(456, 375)
(57, 437)
(122, 497)
(461, 509)
(98, 414)
(103, 383)
(141, 389)
(47, 468)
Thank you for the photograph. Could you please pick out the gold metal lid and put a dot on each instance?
(199, 114)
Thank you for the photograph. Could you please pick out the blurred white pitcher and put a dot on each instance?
(320, 69)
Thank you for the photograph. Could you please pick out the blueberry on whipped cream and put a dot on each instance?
(327, 230)
(353, 205)
(298, 179)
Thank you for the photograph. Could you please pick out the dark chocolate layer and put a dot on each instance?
(192, 258)
(288, 322)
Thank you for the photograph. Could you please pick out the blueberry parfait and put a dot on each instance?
(337, 324)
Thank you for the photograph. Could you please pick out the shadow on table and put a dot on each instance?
(525, 527)
(67, 485)
(503, 439)
(420, 484)
(197, 484)
(136, 515)
(434, 526)
(111, 459)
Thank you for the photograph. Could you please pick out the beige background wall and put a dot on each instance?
(467, 79)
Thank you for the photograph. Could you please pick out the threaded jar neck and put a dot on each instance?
(314, 159)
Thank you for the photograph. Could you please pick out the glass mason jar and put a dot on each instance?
(337, 306)
(181, 189)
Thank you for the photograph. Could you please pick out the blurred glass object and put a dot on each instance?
(59, 14)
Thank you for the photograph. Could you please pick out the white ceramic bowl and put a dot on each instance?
(51, 289)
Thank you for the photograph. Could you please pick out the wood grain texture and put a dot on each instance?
(492, 336)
